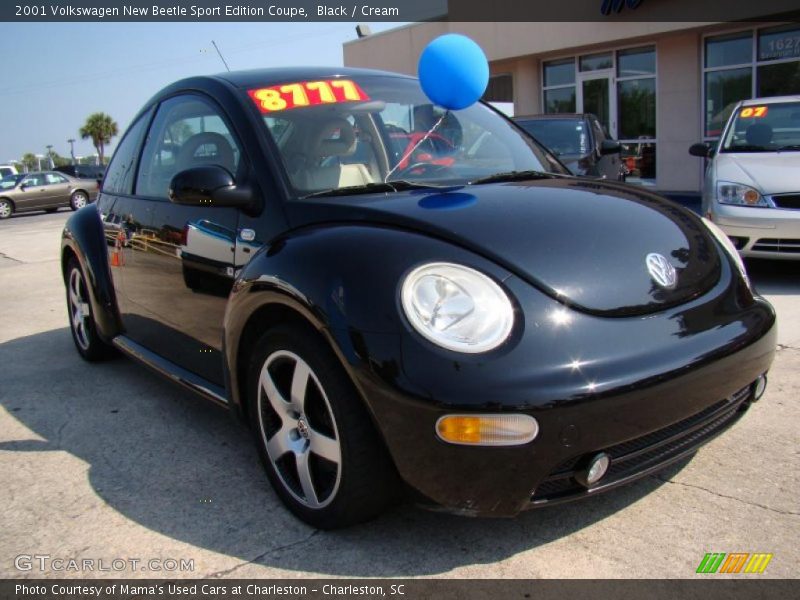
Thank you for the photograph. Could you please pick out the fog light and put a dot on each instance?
(597, 467)
(759, 387)
(487, 430)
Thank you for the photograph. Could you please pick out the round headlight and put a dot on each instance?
(457, 308)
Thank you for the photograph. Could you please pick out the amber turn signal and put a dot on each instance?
(487, 430)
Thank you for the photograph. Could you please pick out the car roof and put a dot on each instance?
(770, 100)
(261, 77)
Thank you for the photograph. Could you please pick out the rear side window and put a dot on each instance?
(119, 177)
(53, 178)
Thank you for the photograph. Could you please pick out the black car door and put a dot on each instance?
(180, 259)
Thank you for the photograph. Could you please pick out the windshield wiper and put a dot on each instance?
(516, 176)
(789, 147)
(396, 185)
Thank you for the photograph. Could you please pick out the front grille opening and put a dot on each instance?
(648, 451)
(787, 201)
(786, 246)
(738, 242)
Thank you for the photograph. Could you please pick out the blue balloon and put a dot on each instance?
(453, 71)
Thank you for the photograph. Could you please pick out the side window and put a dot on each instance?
(34, 180)
(52, 178)
(188, 131)
(119, 176)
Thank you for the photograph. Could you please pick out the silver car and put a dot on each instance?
(752, 183)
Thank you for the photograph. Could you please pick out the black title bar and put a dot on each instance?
(398, 10)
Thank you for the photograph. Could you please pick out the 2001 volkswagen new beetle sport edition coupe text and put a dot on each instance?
(486, 334)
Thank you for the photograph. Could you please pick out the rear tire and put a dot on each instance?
(81, 317)
(6, 208)
(78, 200)
(316, 441)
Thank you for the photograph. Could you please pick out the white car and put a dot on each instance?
(752, 183)
(8, 170)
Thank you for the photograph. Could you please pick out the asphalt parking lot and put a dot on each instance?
(108, 461)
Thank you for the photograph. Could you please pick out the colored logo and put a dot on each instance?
(735, 562)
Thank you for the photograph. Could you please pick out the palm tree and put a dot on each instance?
(29, 161)
(100, 127)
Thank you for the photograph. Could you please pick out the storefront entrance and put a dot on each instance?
(595, 96)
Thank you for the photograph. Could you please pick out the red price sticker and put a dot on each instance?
(757, 112)
(307, 93)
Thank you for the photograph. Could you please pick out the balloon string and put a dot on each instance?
(410, 152)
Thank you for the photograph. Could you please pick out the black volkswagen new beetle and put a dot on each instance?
(479, 332)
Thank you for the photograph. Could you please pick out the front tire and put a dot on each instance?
(81, 318)
(314, 436)
(6, 208)
(78, 200)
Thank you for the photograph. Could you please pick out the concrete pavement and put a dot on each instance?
(110, 462)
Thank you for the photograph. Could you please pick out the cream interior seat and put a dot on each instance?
(337, 138)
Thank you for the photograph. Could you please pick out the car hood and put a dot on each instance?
(768, 172)
(583, 242)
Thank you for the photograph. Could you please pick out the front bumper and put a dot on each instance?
(647, 390)
(761, 232)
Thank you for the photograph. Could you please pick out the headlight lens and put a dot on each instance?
(457, 308)
(723, 239)
(739, 194)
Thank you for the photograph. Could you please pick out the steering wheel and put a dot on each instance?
(421, 168)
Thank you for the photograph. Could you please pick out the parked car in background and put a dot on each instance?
(492, 335)
(46, 191)
(83, 171)
(752, 181)
(580, 141)
(6, 170)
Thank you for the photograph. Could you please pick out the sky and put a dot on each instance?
(56, 74)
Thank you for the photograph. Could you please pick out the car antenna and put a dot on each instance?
(222, 58)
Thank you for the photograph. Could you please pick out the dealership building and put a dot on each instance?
(658, 87)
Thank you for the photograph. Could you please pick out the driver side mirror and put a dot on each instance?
(702, 150)
(208, 185)
(610, 147)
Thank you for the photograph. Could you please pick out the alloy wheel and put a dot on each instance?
(5, 209)
(78, 200)
(78, 309)
(299, 429)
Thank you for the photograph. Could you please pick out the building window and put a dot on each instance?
(748, 64)
(636, 112)
(559, 86)
(625, 79)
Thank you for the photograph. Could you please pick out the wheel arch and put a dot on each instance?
(83, 239)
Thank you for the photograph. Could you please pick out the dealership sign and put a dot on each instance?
(609, 6)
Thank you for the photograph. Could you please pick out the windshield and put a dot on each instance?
(9, 181)
(363, 131)
(561, 136)
(764, 128)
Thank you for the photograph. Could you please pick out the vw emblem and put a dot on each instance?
(660, 269)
